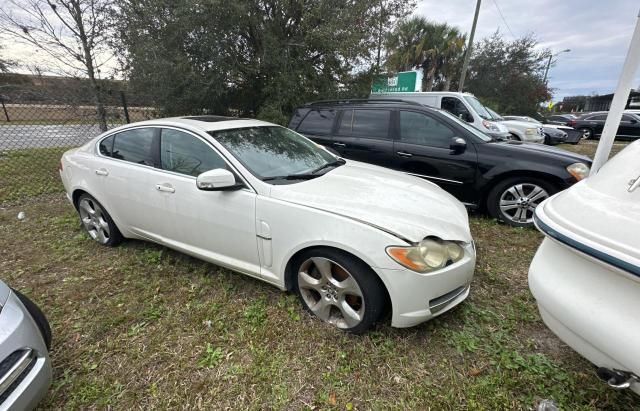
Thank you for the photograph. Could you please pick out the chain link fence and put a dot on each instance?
(37, 126)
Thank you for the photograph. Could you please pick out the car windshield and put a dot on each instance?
(272, 153)
(467, 126)
(478, 107)
(494, 115)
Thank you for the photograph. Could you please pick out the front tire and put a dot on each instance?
(97, 222)
(513, 201)
(338, 289)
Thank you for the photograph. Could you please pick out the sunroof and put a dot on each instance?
(211, 119)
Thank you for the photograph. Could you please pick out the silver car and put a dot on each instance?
(25, 338)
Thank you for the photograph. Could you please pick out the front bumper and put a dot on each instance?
(537, 138)
(25, 367)
(589, 305)
(416, 298)
(557, 138)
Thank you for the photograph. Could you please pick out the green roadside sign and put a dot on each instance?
(404, 81)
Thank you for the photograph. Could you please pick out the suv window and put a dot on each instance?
(135, 146)
(318, 122)
(186, 154)
(365, 123)
(456, 107)
(418, 128)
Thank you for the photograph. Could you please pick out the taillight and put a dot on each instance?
(571, 123)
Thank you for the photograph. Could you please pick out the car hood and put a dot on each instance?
(519, 124)
(542, 149)
(408, 207)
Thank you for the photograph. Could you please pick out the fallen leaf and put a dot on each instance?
(473, 371)
(332, 398)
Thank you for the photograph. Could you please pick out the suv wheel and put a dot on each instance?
(513, 201)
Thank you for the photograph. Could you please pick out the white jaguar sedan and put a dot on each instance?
(348, 238)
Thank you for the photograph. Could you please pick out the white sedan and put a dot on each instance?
(586, 274)
(347, 237)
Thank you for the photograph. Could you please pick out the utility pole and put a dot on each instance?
(551, 56)
(467, 55)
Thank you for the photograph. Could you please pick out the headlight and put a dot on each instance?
(531, 131)
(490, 126)
(430, 254)
(578, 170)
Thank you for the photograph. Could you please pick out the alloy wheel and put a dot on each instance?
(586, 133)
(94, 221)
(518, 202)
(331, 292)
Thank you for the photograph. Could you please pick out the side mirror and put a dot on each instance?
(217, 179)
(457, 145)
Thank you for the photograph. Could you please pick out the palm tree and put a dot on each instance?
(419, 43)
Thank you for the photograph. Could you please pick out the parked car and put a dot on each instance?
(25, 340)
(462, 105)
(585, 276)
(560, 119)
(520, 130)
(260, 199)
(591, 125)
(506, 178)
(553, 133)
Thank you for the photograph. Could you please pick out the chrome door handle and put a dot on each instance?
(102, 172)
(339, 144)
(404, 154)
(165, 188)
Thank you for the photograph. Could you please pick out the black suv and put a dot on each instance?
(591, 125)
(506, 178)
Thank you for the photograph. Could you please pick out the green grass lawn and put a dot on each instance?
(141, 326)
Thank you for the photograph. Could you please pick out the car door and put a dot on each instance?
(365, 135)
(215, 225)
(423, 149)
(317, 125)
(126, 172)
(629, 126)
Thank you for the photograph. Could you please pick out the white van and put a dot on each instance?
(463, 105)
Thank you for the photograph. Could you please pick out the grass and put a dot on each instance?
(142, 326)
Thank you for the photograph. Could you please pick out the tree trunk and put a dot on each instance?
(447, 84)
(428, 79)
(88, 62)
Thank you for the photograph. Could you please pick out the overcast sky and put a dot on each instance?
(598, 33)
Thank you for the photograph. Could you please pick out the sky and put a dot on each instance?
(597, 32)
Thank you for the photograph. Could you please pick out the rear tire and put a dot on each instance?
(38, 317)
(97, 222)
(587, 133)
(339, 289)
(514, 200)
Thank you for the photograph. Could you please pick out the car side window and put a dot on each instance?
(456, 107)
(365, 123)
(601, 117)
(106, 146)
(135, 146)
(319, 122)
(627, 117)
(186, 154)
(418, 128)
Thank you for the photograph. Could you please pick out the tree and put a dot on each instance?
(247, 57)
(508, 75)
(72, 32)
(5, 64)
(417, 43)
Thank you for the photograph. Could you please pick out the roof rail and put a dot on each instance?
(362, 101)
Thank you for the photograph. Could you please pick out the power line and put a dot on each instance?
(503, 19)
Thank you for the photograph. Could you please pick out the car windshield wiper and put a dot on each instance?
(336, 163)
(302, 176)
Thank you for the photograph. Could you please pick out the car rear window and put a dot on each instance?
(318, 122)
(365, 123)
(135, 146)
(106, 146)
